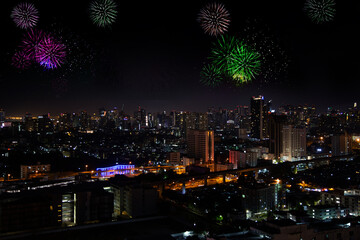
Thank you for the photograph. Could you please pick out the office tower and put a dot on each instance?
(84, 121)
(234, 157)
(173, 158)
(43, 124)
(341, 144)
(293, 143)
(276, 123)
(2, 115)
(200, 145)
(257, 117)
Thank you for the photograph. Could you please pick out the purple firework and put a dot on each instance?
(25, 15)
(21, 60)
(50, 53)
(31, 42)
(214, 18)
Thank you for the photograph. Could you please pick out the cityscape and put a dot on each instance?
(251, 171)
(214, 120)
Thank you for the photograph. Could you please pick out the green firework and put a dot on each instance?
(244, 64)
(103, 12)
(320, 11)
(221, 52)
(211, 75)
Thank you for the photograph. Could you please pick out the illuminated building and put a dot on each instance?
(55, 206)
(234, 158)
(257, 117)
(113, 170)
(293, 143)
(258, 197)
(275, 137)
(133, 200)
(341, 144)
(2, 115)
(200, 145)
(173, 158)
(140, 116)
(43, 124)
(27, 170)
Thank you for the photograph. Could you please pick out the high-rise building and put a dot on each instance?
(276, 123)
(293, 143)
(341, 144)
(2, 115)
(173, 158)
(200, 145)
(257, 117)
(234, 157)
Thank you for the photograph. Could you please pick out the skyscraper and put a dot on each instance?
(257, 117)
(2, 115)
(276, 123)
(293, 143)
(200, 145)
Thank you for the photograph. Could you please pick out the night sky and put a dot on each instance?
(152, 56)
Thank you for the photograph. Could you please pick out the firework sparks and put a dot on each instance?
(103, 12)
(221, 52)
(21, 60)
(25, 15)
(50, 53)
(214, 19)
(211, 75)
(244, 64)
(320, 11)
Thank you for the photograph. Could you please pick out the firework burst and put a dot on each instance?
(214, 19)
(103, 12)
(320, 11)
(31, 42)
(21, 60)
(244, 64)
(50, 53)
(211, 75)
(25, 15)
(221, 52)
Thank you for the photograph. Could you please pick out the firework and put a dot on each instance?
(274, 61)
(320, 11)
(244, 64)
(21, 60)
(25, 15)
(50, 53)
(221, 52)
(211, 75)
(79, 54)
(214, 19)
(31, 41)
(103, 12)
